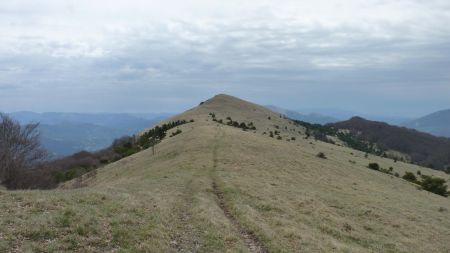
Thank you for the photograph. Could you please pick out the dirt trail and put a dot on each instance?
(248, 237)
(186, 237)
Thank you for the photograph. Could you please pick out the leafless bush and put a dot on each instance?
(20, 151)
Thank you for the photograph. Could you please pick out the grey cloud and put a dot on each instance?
(7, 87)
(290, 64)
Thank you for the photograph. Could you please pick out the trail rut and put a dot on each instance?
(247, 236)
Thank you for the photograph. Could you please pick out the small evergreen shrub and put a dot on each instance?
(176, 132)
(321, 155)
(374, 166)
(409, 176)
(386, 171)
(435, 185)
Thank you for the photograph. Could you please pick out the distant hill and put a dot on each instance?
(322, 115)
(71, 137)
(67, 133)
(437, 123)
(422, 148)
(316, 118)
(118, 120)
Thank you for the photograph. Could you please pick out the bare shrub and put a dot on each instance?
(20, 151)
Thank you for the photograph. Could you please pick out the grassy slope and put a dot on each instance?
(290, 199)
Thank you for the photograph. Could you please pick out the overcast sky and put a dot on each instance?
(371, 56)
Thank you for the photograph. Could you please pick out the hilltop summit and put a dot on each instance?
(228, 106)
(225, 107)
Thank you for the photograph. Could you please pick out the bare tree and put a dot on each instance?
(20, 150)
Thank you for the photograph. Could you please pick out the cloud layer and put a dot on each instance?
(385, 57)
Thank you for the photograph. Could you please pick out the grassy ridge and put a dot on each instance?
(277, 192)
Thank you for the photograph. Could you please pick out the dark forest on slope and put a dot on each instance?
(422, 148)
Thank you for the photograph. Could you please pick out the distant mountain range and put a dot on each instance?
(330, 115)
(315, 118)
(66, 133)
(437, 123)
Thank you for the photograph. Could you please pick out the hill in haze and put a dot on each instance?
(234, 177)
(437, 123)
(67, 133)
(332, 115)
(311, 117)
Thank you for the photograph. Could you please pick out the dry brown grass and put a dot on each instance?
(279, 191)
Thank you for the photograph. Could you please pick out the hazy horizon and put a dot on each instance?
(372, 57)
(337, 113)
